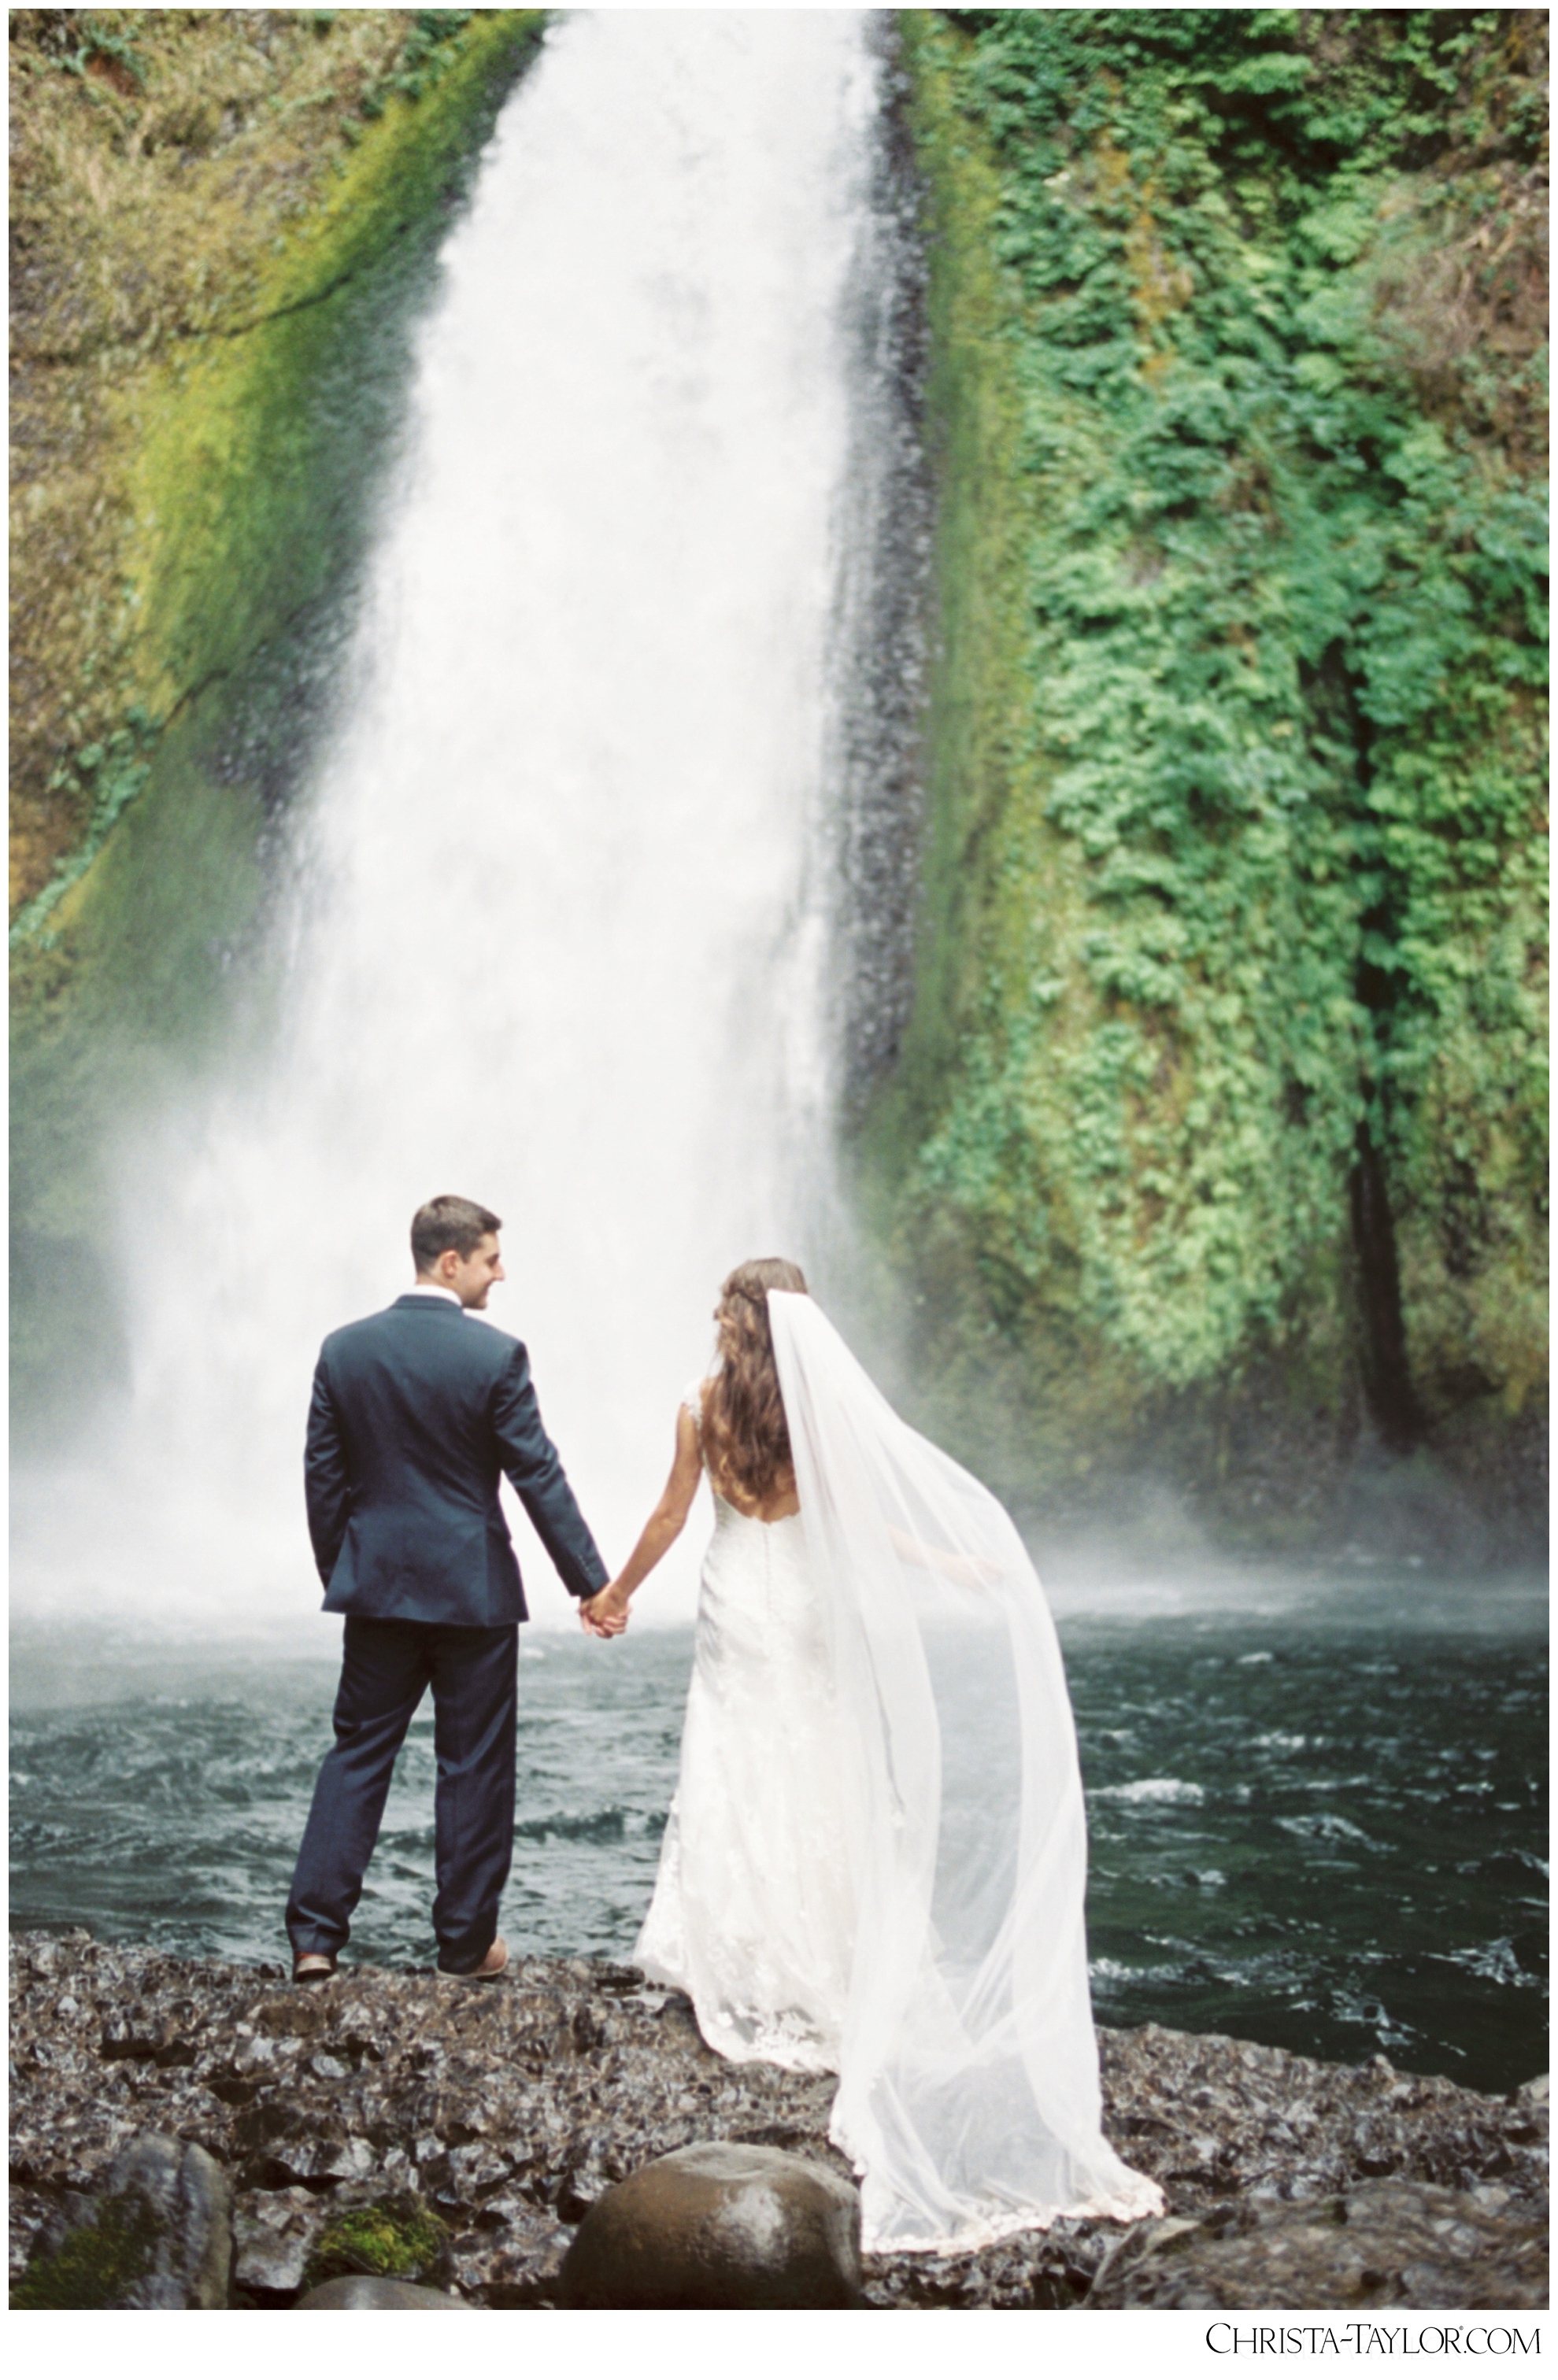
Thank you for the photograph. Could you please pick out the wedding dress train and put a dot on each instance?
(875, 1861)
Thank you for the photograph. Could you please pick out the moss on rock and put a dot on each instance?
(399, 2238)
(94, 2264)
(1220, 1124)
(175, 223)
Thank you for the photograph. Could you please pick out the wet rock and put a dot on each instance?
(1383, 2244)
(512, 2111)
(157, 2237)
(515, 2260)
(270, 2266)
(274, 2234)
(165, 2036)
(367, 2293)
(720, 2225)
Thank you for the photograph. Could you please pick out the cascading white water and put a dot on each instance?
(559, 939)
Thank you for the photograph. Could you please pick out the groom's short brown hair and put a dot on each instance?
(457, 1223)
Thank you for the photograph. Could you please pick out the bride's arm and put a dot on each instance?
(606, 1614)
(963, 1570)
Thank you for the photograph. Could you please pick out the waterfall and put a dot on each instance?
(560, 924)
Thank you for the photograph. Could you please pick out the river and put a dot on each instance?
(1318, 1812)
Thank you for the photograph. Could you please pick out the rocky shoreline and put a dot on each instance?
(505, 2110)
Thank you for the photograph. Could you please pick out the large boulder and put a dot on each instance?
(1385, 2243)
(156, 2237)
(719, 2224)
(371, 2293)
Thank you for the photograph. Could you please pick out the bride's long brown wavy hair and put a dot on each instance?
(746, 1443)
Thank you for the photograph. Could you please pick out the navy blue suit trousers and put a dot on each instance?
(386, 1668)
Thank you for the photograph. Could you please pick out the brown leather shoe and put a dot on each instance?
(492, 1965)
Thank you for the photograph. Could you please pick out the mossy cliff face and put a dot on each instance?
(225, 223)
(1217, 1146)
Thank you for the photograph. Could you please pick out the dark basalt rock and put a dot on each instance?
(721, 2224)
(369, 2294)
(510, 2112)
(157, 2238)
(1384, 2244)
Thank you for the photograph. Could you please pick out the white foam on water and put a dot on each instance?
(559, 939)
(1151, 1789)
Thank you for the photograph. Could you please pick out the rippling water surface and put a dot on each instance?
(1325, 1832)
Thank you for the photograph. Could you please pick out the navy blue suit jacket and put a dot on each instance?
(415, 1413)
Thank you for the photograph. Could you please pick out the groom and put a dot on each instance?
(415, 1411)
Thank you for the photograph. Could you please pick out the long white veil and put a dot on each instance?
(968, 2094)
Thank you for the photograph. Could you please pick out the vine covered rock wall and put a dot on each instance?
(1217, 1145)
(225, 222)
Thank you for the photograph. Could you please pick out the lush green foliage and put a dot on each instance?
(117, 770)
(1255, 859)
(423, 60)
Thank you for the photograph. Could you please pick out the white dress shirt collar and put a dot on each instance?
(430, 1289)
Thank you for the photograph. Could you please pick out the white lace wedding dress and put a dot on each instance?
(875, 1861)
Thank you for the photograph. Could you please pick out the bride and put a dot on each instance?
(875, 1861)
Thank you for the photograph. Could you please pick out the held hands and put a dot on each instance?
(604, 1614)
